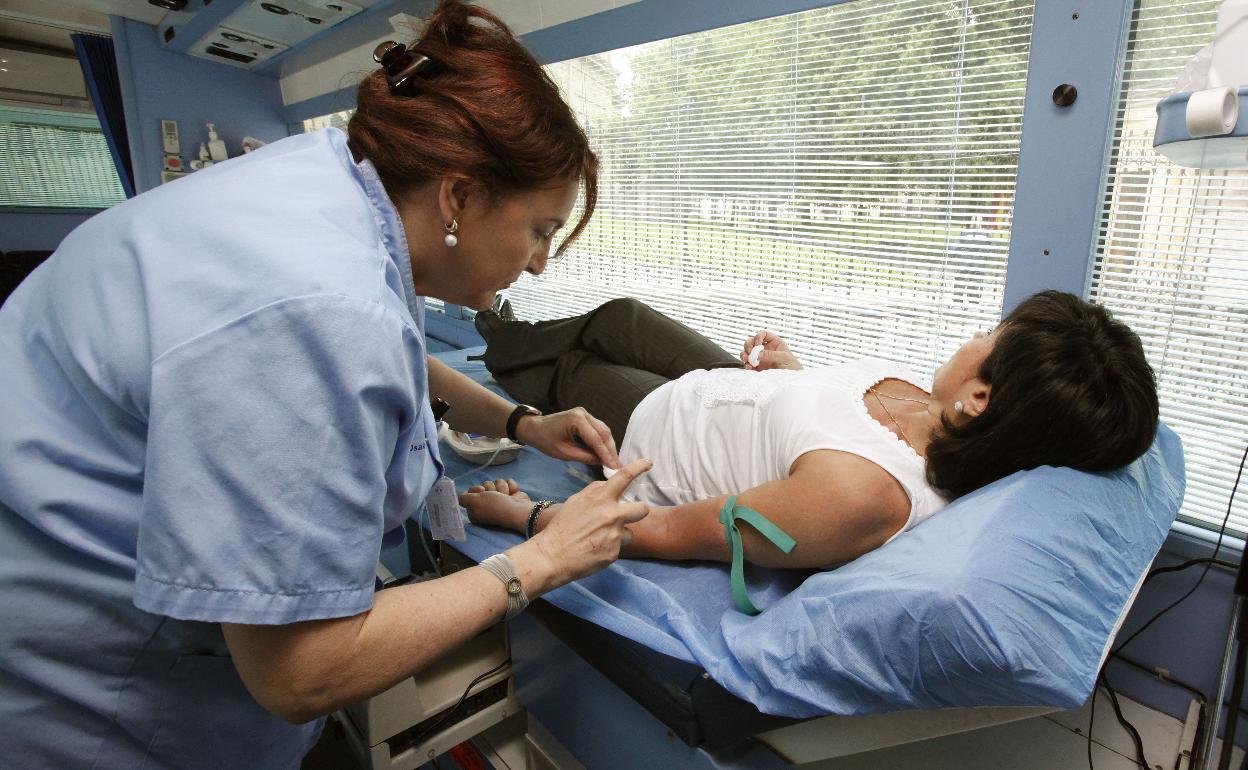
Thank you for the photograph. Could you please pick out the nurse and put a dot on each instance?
(214, 413)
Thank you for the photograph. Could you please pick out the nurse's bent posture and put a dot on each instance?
(214, 412)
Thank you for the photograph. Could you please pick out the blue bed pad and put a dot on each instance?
(1008, 597)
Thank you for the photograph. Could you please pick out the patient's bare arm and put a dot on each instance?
(837, 507)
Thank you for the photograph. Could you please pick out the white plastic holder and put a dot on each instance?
(479, 450)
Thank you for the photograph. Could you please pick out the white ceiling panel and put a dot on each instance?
(290, 21)
(237, 47)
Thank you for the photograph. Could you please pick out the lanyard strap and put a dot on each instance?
(728, 516)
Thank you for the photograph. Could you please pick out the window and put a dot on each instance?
(843, 176)
(55, 159)
(1172, 261)
(335, 119)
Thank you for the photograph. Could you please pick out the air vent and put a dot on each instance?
(237, 46)
(234, 56)
(290, 21)
(261, 29)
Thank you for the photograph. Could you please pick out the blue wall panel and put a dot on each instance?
(1061, 161)
(33, 230)
(157, 84)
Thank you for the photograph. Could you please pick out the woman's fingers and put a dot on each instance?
(615, 486)
(630, 513)
(595, 435)
(612, 458)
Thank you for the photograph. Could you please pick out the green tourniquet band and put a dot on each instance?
(728, 516)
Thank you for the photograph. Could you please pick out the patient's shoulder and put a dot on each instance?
(860, 487)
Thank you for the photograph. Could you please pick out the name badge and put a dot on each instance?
(445, 521)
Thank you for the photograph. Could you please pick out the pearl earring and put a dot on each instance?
(957, 407)
(451, 239)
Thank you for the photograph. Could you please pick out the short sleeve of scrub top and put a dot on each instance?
(277, 450)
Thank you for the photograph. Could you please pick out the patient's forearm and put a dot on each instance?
(834, 516)
(687, 532)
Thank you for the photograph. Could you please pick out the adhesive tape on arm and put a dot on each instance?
(1212, 112)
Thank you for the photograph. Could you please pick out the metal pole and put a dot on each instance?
(1203, 759)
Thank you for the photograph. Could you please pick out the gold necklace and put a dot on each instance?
(924, 401)
(900, 430)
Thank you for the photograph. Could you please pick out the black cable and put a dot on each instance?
(451, 711)
(1208, 562)
(1221, 533)
(1186, 565)
(1092, 718)
(1166, 677)
(1122, 720)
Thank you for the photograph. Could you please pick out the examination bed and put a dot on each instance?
(1000, 607)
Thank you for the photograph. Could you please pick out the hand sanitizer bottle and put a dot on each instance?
(216, 147)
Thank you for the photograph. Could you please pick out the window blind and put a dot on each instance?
(335, 119)
(843, 176)
(55, 159)
(1172, 261)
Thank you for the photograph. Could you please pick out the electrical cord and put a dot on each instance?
(1208, 562)
(1162, 676)
(1092, 718)
(1102, 682)
(446, 717)
(1187, 565)
(1126, 725)
(1221, 534)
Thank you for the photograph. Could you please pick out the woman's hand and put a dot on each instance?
(572, 435)
(588, 531)
(774, 355)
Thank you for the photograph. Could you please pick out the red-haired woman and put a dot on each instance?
(215, 413)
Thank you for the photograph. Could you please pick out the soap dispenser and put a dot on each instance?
(216, 147)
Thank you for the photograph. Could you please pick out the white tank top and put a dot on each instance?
(723, 431)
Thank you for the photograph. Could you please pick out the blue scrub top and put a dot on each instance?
(213, 408)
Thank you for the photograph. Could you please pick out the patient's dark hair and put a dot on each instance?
(486, 112)
(1070, 387)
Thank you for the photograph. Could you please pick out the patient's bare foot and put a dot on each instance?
(498, 503)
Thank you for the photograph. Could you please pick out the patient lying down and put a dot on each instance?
(842, 458)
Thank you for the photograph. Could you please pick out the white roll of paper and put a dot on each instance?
(1212, 112)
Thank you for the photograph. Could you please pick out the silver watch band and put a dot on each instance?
(499, 565)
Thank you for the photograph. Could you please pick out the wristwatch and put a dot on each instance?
(500, 566)
(513, 419)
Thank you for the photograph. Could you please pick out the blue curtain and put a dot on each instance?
(99, 69)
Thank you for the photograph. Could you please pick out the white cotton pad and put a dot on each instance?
(756, 353)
